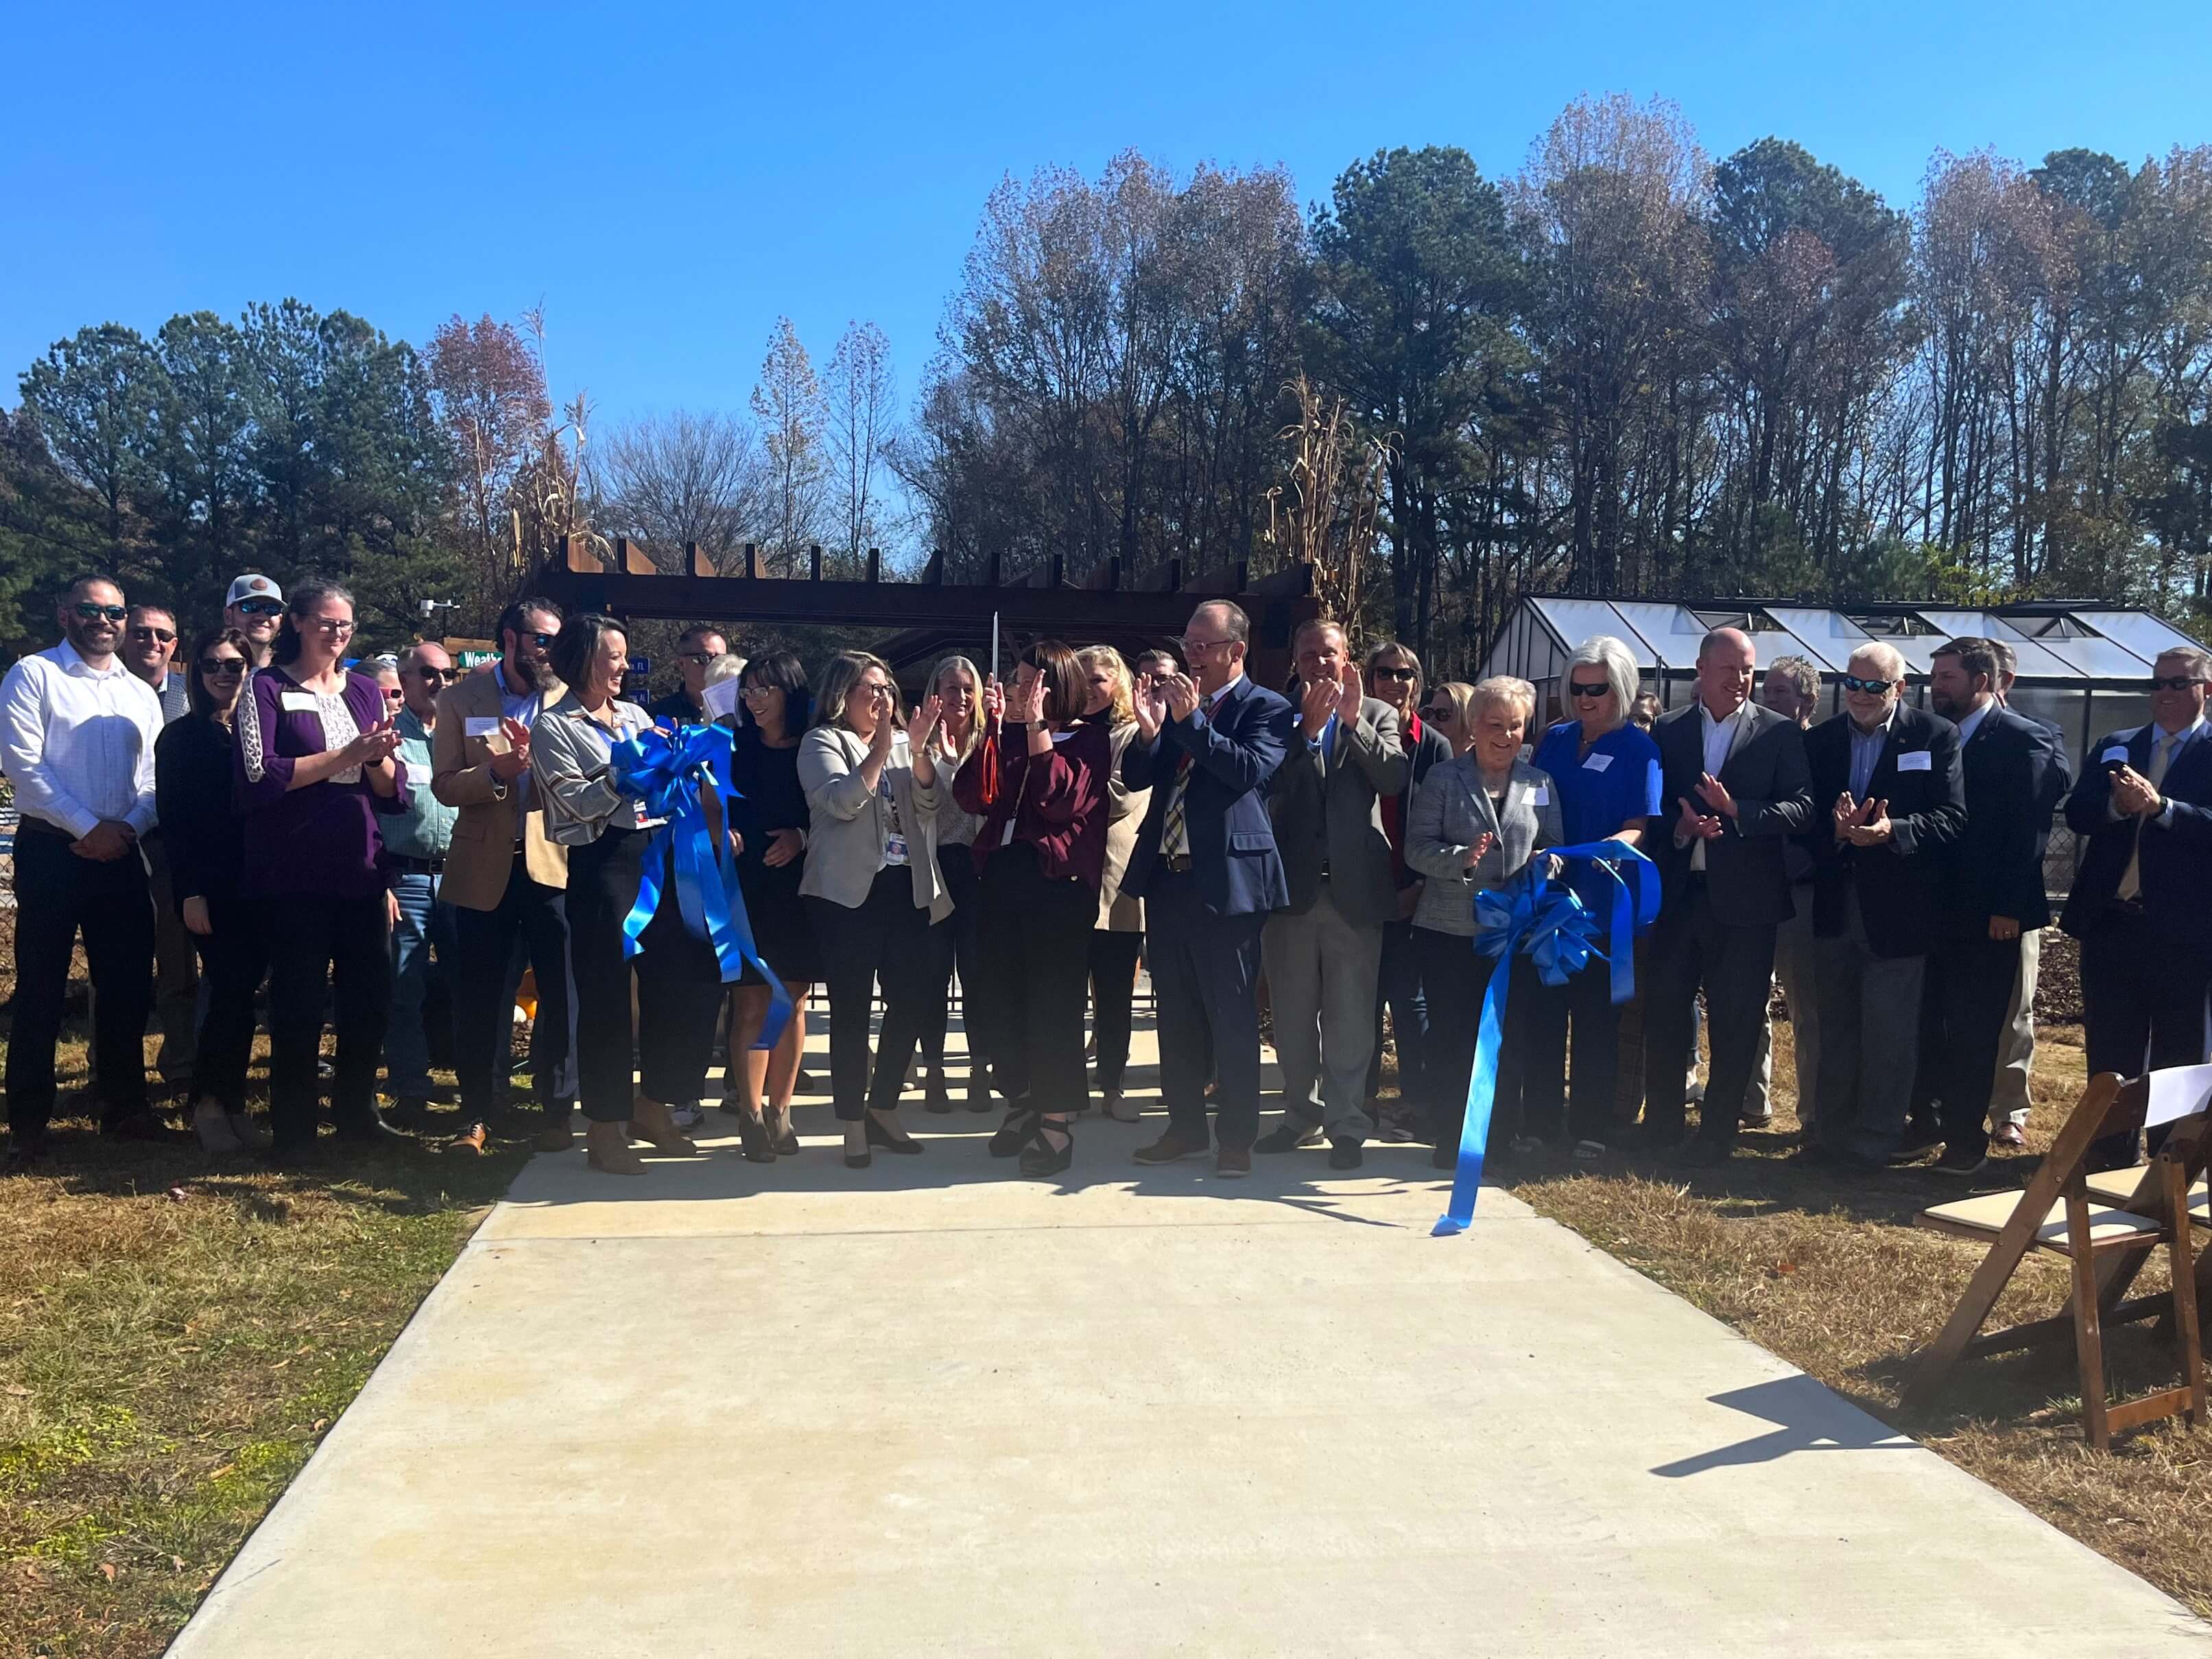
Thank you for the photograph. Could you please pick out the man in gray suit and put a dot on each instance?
(1323, 954)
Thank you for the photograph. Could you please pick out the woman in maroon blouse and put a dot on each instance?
(314, 768)
(1040, 851)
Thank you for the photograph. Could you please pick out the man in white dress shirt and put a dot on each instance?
(76, 740)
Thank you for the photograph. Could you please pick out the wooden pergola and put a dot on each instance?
(931, 617)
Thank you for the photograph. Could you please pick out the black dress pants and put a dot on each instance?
(953, 942)
(885, 937)
(483, 1026)
(1034, 976)
(1205, 975)
(1113, 993)
(334, 953)
(1455, 979)
(1964, 996)
(1692, 949)
(2142, 1003)
(1551, 1113)
(58, 895)
(234, 961)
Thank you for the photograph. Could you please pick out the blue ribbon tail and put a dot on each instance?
(1481, 1099)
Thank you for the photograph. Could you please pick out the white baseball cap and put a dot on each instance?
(254, 586)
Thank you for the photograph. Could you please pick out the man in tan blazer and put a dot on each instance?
(504, 876)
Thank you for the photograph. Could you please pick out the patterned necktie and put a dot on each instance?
(1175, 833)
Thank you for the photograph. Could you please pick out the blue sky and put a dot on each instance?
(668, 179)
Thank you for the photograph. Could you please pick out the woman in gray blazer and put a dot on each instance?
(1475, 823)
(872, 887)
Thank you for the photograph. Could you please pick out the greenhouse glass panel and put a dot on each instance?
(1576, 620)
(2138, 631)
(1827, 638)
(2037, 660)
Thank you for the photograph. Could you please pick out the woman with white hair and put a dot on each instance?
(1475, 823)
(1605, 771)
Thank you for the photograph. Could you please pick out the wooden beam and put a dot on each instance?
(933, 573)
(1293, 581)
(752, 562)
(875, 564)
(695, 562)
(814, 562)
(576, 555)
(1107, 578)
(1171, 577)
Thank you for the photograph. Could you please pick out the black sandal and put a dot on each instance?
(754, 1143)
(1039, 1158)
(1014, 1133)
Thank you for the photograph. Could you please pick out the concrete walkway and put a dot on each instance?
(931, 1409)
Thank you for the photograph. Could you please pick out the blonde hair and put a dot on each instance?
(945, 665)
(1503, 688)
(1095, 656)
(840, 675)
(1460, 695)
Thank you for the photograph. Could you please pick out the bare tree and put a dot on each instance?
(860, 393)
(669, 479)
(788, 403)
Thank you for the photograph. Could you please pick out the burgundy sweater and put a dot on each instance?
(1057, 802)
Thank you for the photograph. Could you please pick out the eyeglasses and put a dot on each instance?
(259, 607)
(1579, 689)
(228, 667)
(543, 641)
(336, 627)
(1192, 647)
(2174, 682)
(1400, 675)
(1442, 712)
(1853, 682)
(142, 632)
(437, 676)
(87, 612)
(699, 658)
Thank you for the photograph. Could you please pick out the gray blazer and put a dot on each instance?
(848, 822)
(569, 752)
(1330, 805)
(1451, 811)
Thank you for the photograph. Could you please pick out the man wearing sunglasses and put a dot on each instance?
(505, 878)
(255, 607)
(687, 704)
(2144, 806)
(76, 741)
(149, 642)
(1888, 797)
(417, 841)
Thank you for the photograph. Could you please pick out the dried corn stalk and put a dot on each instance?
(1326, 516)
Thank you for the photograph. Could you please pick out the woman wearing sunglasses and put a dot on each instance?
(206, 843)
(314, 769)
(1605, 769)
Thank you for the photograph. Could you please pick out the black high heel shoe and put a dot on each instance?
(859, 1160)
(1040, 1158)
(1014, 1133)
(879, 1136)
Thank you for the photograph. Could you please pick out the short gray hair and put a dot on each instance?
(1503, 688)
(1307, 627)
(1234, 622)
(2199, 660)
(1612, 658)
(1891, 659)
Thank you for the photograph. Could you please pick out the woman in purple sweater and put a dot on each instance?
(314, 768)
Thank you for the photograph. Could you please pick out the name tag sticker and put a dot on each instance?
(418, 775)
(1597, 762)
(1540, 796)
(296, 702)
(2117, 752)
(1916, 760)
(480, 727)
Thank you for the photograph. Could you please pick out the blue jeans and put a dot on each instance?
(425, 931)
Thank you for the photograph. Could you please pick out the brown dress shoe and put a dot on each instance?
(470, 1140)
(1233, 1161)
(555, 1136)
(606, 1149)
(650, 1123)
(1169, 1147)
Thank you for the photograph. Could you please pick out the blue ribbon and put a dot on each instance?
(668, 777)
(1549, 924)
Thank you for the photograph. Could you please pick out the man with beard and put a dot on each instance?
(254, 606)
(1992, 898)
(76, 740)
(505, 877)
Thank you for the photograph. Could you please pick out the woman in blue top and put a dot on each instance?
(1607, 771)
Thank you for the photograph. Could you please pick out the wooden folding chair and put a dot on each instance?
(2129, 1215)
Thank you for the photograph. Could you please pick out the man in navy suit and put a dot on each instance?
(1991, 894)
(1887, 781)
(2144, 804)
(1206, 865)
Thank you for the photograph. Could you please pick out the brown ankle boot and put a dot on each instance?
(650, 1123)
(606, 1149)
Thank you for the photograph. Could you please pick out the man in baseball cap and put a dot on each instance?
(253, 606)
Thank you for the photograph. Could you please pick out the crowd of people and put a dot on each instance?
(386, 848)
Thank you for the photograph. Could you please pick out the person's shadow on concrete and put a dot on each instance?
(1808, 1417)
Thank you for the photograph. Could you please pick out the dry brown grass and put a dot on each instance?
(1829, 1272)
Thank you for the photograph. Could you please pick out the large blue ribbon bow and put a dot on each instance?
(1547, 922)
(668, 776)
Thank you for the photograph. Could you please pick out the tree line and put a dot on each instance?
(1626, 370)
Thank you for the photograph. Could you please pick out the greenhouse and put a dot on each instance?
(2083, 666)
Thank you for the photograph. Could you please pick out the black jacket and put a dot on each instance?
(1899, 885)
(2175, 871)
(1747, 879)
(2016, 776)
(198, 811)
